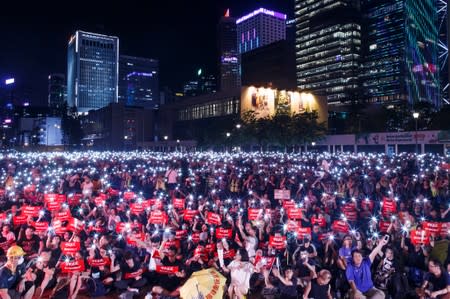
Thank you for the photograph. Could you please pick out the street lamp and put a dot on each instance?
(238, 126)
(416, 117)
(165, 143)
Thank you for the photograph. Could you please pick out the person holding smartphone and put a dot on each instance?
(359, 276)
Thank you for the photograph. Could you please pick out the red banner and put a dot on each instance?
(134, 274)
(158, 217)
(70, 247)
(288, 204)
(213, 218)
(73, 266)
(433, 228)
(180, 234)
(278, 242)
(99, 201)
(40, 226)
(264, 261)
(166, 269)
(320, 221)
(253, 213)
(129, 195)
(340, 226)
(384, 225)
(420, 237)
(19, 220)
(136, 208)
(195, 237)
(75, 199)
(54, 206)
(170, 243)
(157, 203)
(75, 225)
(99, 262)
(294, 213)
(30, 211)
(223, 233)
(63, 216)
(178, 203)
(137, 236)
(389, 207)
(188, 215)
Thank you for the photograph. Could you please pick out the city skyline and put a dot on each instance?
(38, 38)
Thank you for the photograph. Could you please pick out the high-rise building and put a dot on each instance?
(228, 55)
(56, 90)
(139, 81)
(400, 51)
(328, 45)
(92, 70)
(259, 28)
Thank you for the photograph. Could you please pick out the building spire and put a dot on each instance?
(227, 13)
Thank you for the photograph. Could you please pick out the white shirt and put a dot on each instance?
(241, 273)
(171, 176)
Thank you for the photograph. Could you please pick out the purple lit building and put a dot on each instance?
(139, 81)
(259, 28)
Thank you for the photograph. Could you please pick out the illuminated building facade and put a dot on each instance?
(259, 28)
(328, 48)
(92, 71)
(228, 55)
(401, 51)
(138, 81)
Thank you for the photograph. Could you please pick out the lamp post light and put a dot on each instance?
(416, 117)
(165, 142)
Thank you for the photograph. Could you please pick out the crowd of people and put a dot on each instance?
(276, 225)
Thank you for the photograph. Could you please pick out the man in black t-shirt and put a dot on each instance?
(30, 243)
(132, 279)
(438, 278)
(171, 282)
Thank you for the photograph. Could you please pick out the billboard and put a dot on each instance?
(265, 102)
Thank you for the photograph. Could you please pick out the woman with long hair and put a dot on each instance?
(240, 270)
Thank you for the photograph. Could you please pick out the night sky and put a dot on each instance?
(181, 34)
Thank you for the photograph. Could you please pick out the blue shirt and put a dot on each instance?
(361, 275)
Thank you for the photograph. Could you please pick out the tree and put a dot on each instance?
(70, 125)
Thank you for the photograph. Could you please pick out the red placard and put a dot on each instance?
(170, 243)
(134, 274)
(282, 194)
(113, 192)
(223, 233)
(213, 218)
(180, 234)
(264, 261)
(136, 208)
(195, 237)
(54, 206)
(158, 217)
(288, 204)
(433, 228)
(157, 203)
(61, 198)
(131, 239)
(99, 201)
(384, 225)
(303, 232)
(40, 226)
(420, 237)
(166, 269)
(129, 195)
(188, 215)
(210, 247)
(72, 266)
(294, 213)
(50, 197)
(278, 242)
(99, 262)
(30, 211)
(389, 207)
(340, 226)
(75, 199)
(70, 247)
(178, 203)
(320, 221)
(351, 215)
(253, 214)
(63, 216)
(19, 220)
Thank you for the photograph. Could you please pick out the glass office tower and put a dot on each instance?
(139, 81)
(92, 70)
(230, 77)
(328, 46)
(401, 51)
